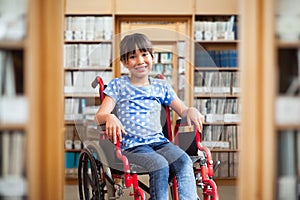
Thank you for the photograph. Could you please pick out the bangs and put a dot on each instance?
(131, 43)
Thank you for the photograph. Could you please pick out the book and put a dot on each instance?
(287, 104)
(69, 135)
(224, 166)
(5, 146)
(90, 24)
(17, 156)
(286, 153)
(287, 187)
(181, 49)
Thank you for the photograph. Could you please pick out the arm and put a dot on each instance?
(191, 113)
(113, 126)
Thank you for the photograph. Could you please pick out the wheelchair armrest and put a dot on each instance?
(183, 123)
(118, 153)
(122, 157)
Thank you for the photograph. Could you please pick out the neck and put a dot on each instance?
(140, 82)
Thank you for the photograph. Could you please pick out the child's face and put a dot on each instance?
(139, 63)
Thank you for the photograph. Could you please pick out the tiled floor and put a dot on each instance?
(225, 193)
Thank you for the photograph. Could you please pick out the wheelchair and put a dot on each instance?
(104, 173)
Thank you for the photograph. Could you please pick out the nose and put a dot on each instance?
(140, 59)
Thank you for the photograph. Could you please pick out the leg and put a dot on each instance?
(156, 165)
(181, 165)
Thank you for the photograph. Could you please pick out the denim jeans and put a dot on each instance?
(159, 159)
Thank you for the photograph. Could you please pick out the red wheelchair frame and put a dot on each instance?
(204, 172)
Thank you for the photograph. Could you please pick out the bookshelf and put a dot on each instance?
(31, 112)
(273, 149)
(87, 53)
(287, 99)
(217, 89)
(169, 26)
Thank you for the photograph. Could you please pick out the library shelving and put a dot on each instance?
(287, 99)
(170, 27)
(217, 89)
(30, 109)
(87, 53)
(270, 60)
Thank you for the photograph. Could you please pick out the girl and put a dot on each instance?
(137, 99)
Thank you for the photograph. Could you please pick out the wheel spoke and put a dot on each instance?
(91, 181)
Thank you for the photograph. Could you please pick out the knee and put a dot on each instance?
(159, 165)
(183, 163)
(185, 160)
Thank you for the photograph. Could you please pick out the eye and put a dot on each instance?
(145, 54)
(131, 56)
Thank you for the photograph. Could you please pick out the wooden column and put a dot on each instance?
(257, 166)
(45, 78)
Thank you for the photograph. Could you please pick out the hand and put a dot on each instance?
(114, 128)
(193, 115)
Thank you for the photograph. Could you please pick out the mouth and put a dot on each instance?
(141, 68)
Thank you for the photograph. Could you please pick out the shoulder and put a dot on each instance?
(118, 81)
(161, 84)
(158, 82)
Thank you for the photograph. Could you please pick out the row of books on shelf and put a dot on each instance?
(216, 82)
(163, 57)
(288, 165)
(12, 163)
(11, 72)
(287, 18)
(88, 55)
(216, 58)
(71, 163)
(214, 29)
(88, 28)
(220, 137)
(80, 81)
(287, 104)
(165, 69)
(229, 164)
(219, 110)
(13, 19)
(77, 110)
(72, 139)
(13, 103)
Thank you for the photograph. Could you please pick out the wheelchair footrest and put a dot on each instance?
(216, 165)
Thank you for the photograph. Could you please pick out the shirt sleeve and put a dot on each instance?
(169, 94)
(112, 89)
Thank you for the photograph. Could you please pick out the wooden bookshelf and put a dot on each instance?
(166, 7)
(42, 83)
(92, 7)
(217, 7)
(12, 45)
(181, 14)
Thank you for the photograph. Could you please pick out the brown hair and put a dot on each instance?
(132, 42)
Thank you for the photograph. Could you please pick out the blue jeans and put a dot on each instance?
(159, 159)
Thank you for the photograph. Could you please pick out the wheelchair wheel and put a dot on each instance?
(92, 183)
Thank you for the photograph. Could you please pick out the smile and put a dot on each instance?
(141, 68)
